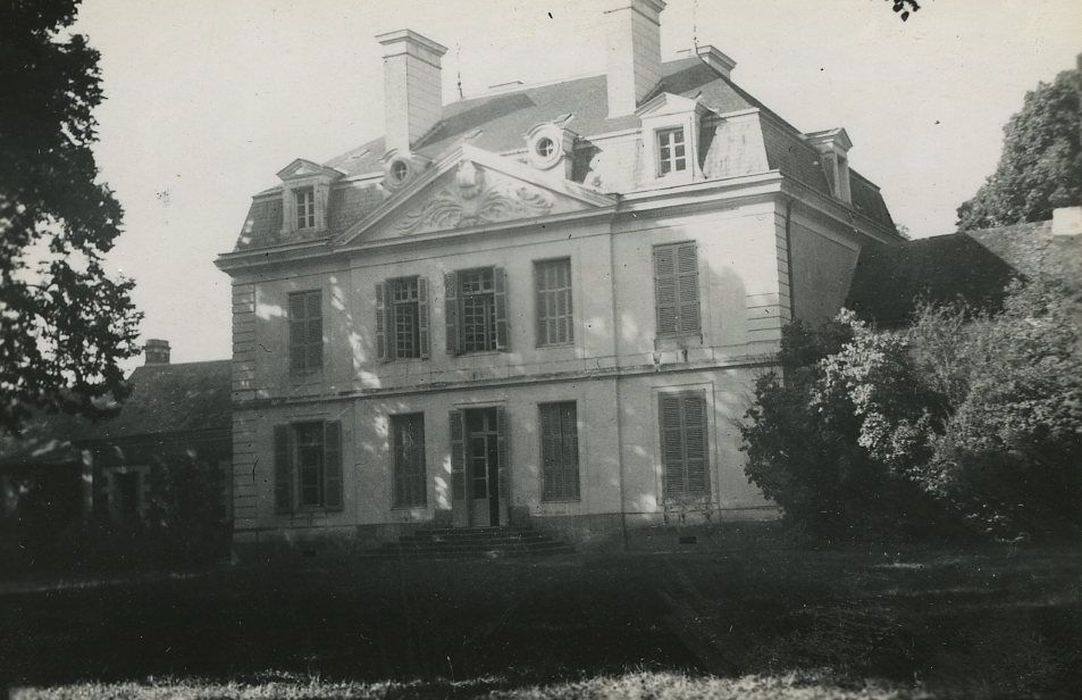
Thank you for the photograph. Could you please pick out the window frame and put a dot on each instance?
(685, 495)
(680, 329)
(546, 495)
(307, 348)
(671, 163)
(304, 202)
(542, 339)
(398, 498)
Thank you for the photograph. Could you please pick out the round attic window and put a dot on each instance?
(400, 170)
(545, 147)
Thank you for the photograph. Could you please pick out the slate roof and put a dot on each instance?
(972, 266)
(498, 122)
(193, 397)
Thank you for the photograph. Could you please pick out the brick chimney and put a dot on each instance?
(157, 351)
(412, 86)
(634, 65)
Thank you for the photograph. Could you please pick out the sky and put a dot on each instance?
(206, 100)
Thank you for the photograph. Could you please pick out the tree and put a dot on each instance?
(1041, 165)
(965, 420)
(64, 324)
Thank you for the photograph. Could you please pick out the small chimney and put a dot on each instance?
(157, 351)
(1067, 221)
(717, 60)
(412, 87)
(634, 65)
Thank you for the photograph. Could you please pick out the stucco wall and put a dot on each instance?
(823, 263)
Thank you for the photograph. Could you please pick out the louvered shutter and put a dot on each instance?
(458, 456)
(673, 472)
(422, 317)
(665, 289)
(499, 283)
(569, 433)
(695, 452)
(381, 323)
(283, 469)
(687, 286)
(332, 465)
(503, 450)
(450, 311)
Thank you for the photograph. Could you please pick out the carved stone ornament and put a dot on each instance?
(472, 200)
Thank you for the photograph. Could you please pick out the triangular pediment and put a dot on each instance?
(666, 104)
(474, 188)
(306, 168)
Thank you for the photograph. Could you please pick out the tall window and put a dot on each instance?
(308, 466)
(683, 445)
(306, 331)
(306, 207)
(402, 318)
(476, 310)
(554, 318)
(309, 437)
(670, 151)
(559, 452)
(676, 288)
(408, 434)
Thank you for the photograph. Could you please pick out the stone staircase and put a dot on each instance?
(473, 542)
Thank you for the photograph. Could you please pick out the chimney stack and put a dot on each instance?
(157, 351)
(634, 65)
(412, 86)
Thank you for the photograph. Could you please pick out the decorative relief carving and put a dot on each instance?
(473, 200)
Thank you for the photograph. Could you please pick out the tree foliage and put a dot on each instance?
(1040, 168)
(64, 323)
(965, 421)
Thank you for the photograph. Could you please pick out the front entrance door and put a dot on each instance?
(482, 467)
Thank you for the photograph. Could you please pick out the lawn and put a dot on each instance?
(992, 622)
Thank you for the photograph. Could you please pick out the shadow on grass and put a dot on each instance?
(992, 622)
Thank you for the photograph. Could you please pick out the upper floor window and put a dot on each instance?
(402, 318)
(552, 279)
(308, 466)
(476, 310)
(671, 151)
(305, 198)
(306, 331)
(676, 288)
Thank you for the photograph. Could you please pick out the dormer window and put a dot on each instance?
(399, 170)
(550, 145)
(306, 207)
(671, 151)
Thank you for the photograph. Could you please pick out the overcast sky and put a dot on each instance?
(206, 100)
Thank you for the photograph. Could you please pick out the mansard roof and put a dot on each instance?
(497, 123)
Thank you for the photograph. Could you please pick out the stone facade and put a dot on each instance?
(684, 235)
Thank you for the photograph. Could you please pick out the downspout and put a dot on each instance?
(619, 401)
(789, 257)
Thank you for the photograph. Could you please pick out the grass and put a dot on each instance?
(987, 623)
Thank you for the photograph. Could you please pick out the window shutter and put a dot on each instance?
(499, 282)
(450, 311)
(695, 455)
(687, 281)
(332, 465)
(381, 323)
(569, 430)
(503, 450)
(283, 469)
(458, 456)
(422, 317)
(672, 446)
(665, 289)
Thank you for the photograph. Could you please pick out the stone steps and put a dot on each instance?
(477, 542)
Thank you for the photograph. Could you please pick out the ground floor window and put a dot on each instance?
(408, 435)
(559, 451)
(308, 466)
(683, 445)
